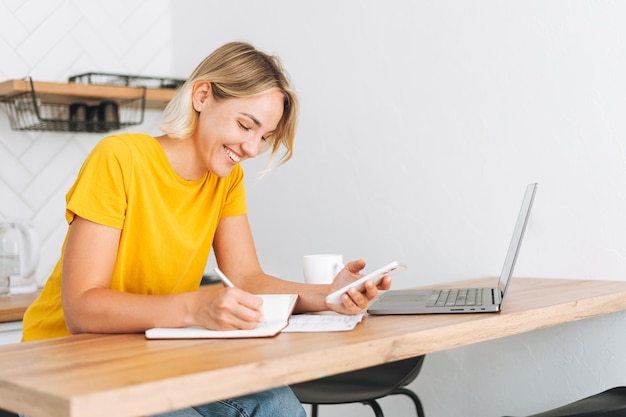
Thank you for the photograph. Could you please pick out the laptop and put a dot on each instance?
(460, 300)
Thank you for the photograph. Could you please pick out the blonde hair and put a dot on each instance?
(235, 70)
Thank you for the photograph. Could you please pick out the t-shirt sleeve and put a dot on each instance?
(99, 192)
(235, 204)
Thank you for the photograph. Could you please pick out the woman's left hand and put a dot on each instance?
(354, 301)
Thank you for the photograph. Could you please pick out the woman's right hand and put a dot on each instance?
(228, 308)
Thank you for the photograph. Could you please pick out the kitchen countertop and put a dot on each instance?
(12, 308)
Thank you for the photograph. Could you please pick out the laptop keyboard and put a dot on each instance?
(456, 297)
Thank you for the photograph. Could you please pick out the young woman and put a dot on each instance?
(144, 213)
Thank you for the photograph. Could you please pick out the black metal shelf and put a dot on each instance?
(90, 102)
(30, 111)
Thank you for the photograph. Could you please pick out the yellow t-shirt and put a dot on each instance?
(167, 223)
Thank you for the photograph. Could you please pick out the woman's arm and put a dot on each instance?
(236, 256)
(91, 306)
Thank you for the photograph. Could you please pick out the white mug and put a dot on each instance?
(321, 268)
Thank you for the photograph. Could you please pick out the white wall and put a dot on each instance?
(422, 123)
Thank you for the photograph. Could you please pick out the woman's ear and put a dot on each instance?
(200, 93)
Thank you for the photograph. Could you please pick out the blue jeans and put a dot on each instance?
(277, 402)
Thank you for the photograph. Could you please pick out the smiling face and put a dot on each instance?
(232, 130)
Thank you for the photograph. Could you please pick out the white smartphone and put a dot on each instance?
(375, 277)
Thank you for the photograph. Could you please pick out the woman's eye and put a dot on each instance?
(244, 127)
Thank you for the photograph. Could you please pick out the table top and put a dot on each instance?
(128, 375)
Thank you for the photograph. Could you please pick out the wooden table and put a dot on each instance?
(127, 375)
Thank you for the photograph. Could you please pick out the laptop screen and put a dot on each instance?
(516, 240)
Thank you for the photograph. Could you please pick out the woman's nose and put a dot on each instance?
(252, 148)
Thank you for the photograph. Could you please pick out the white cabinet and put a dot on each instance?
(10, 332)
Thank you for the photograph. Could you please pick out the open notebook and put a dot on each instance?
(276, 311)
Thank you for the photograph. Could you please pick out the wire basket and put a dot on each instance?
(103, 78)
(59, 113)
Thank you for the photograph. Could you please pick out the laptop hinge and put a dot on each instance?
(497, 296)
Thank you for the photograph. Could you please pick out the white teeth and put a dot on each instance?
(232, 155)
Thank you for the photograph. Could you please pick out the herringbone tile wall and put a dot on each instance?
(50, 40)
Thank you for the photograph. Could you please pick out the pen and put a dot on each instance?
(224, 278)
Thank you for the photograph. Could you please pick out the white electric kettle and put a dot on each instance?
(19, 241)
